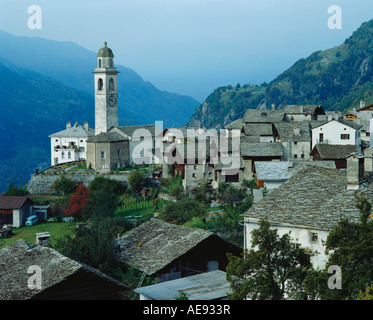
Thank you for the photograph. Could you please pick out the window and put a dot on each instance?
(302, 155)
(111, 84)
(100, 84)
(103, 155)
(367, 134)
(111, 63)
(193, 175)
(321, 137)
(195, 167)
(345, 136)
(69, 155)
(99, 63)
(314, 237)
(56, 140)
(232, 178)
(295, 156)
(63, 155)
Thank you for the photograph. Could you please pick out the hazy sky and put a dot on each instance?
(193, 46)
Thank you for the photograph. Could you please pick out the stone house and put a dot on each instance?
(303, 112)
(260, 151)
(295, 138)
(272, 174)
(107, 151)
(62, 278)
(336, 153)
(167, 251)
(311, 203)
(143, 141)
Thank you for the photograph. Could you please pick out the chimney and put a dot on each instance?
(301, 109)
(362, 104)
(86, 125)
(297, 131)
(368, 163)
(42, 239)
(273, 107)
(355, 171)
(76, 124)
(68, 125)
(290, 164)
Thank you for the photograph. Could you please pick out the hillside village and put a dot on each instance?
(300, 167)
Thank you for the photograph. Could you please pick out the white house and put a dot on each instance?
(310, 204)
(70, 144)
(342, 132)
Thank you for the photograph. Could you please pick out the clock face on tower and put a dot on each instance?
(112, 101)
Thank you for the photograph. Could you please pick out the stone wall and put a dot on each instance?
(41, 183)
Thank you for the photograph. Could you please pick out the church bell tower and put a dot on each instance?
(106, 91)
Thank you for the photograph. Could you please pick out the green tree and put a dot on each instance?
(64, 185)
(274, 268)
(137, 181)
(95, 244)
(350, 246)
(13, 190)
(100, 204)
(228, 194)
(101, 183)
(367, 294)
(176, 187)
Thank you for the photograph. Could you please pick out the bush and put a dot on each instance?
(176, 187)
(64, 185)
(105, 184)
(182, 211)
(228, 194)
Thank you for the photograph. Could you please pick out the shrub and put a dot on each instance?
(182, 211)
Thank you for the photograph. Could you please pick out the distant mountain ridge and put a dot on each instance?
(139, 101)
(44, 84)
(337, 79)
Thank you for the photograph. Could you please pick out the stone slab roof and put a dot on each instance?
(161, 243)
(16, 258)
(283, 170)
(314, 197)
(13, 202)
(205, 286)
(302, 109)
(348, 123)
(78, 132)
(297, 131)
(237, 124)
(262, 149)
(264, 115)
(261, 129)
(107, 137)
(129, 130)
(334, 151)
